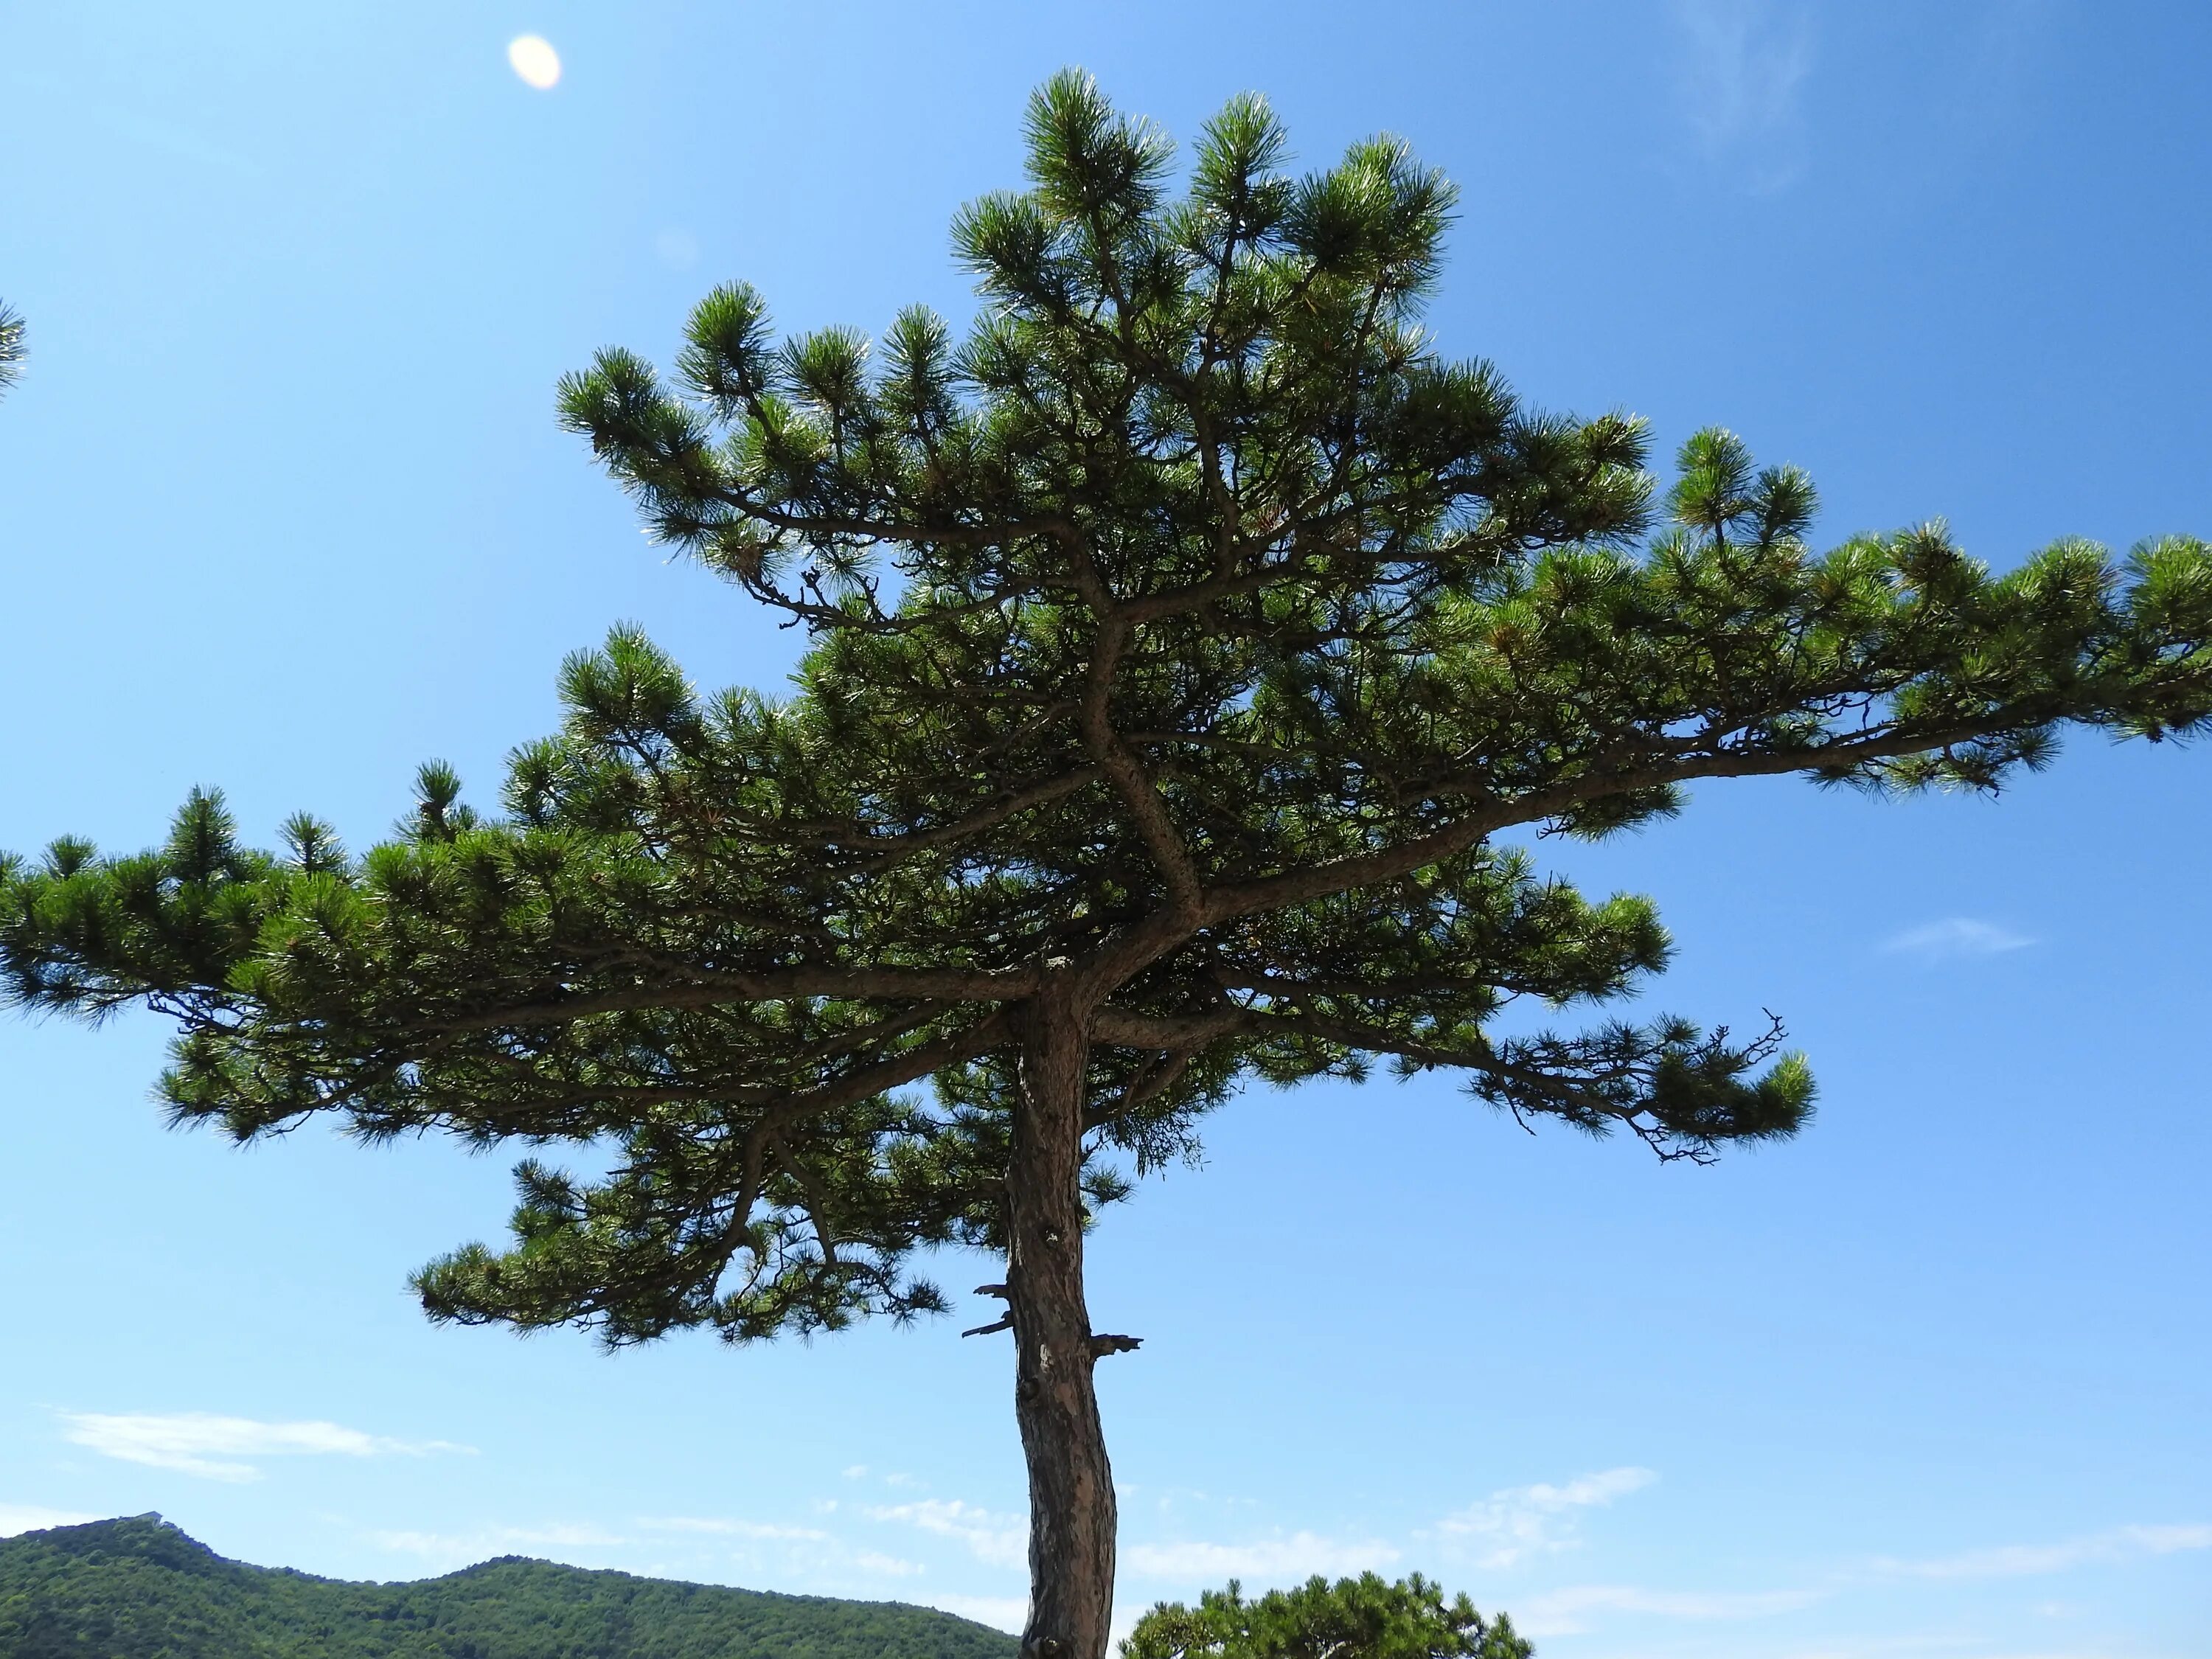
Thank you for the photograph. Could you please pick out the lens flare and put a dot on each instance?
(535, 61)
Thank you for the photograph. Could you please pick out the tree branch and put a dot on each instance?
(713, 989)
(882, 849)
(1124, 1028)
(1120, 763)
(1231, 899)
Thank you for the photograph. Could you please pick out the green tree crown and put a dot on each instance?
(1362, 1618)
(1190, 635)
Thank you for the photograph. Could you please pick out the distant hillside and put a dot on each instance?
(140, 1589)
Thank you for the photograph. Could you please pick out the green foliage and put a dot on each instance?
(1361, 1618)
(140, 1589)
(13, 347)
(1190, 637)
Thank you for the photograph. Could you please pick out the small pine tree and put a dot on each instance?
(1361, 1618)
(1187, 647)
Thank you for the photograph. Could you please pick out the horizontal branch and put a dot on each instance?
(1123, 1028)
(778, 1105)
(1326, 879)
(883, 847)
(714, 990)
(907, 531)
(909, 1066)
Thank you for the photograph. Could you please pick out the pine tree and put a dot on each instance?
(13, 348)
(1361, 1618)
(1187, 646)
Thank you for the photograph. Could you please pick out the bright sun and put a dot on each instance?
(534, 60)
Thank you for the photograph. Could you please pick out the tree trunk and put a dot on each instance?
(1071, 1486)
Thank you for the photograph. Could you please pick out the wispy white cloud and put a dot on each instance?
(1504, 1528)
(780, 1549)
(1570, 1611)
(1510, 1526)
(31, 1517)
(1002, 1540)
(1007, 1613)
(198, 1442)
(1954, 939)
(1293, 1556)
(1743, 65)
(462, 1549)
(751, 1529)
(999, 1540)
(2025, 1560)
(1565, 1612)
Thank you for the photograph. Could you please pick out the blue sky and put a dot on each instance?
(286, 511)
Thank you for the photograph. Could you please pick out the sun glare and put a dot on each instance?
(535, 61)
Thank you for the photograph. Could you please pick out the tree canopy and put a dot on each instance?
(1192, 651)
(1362, 1618)
(1192, 622)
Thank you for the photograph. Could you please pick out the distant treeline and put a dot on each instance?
(141, 1589)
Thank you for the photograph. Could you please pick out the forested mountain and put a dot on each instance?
(141, 1589)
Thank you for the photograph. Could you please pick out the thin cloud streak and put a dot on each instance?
(2027, 1560)
(215, 1448)
(1568, 1612)
(1562, 1612)
(1955, 938)
(1509, 1527)
(783, 1551)
(465, 1549)
(1743, 65)
(1300, 1555)
(1516, 1523)
(998, 1541)
(1007, 1612)
(752, 1530)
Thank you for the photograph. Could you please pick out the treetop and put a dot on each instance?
(1188, 643)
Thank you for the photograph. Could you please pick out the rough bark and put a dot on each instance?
(1071, 1513)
